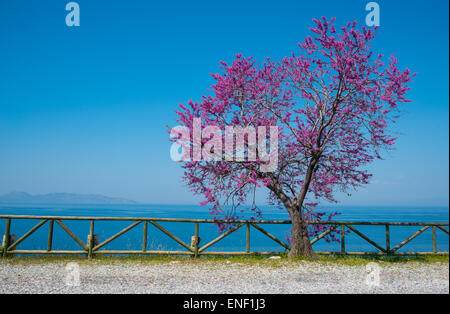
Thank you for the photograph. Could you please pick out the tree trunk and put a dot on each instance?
(300, 242)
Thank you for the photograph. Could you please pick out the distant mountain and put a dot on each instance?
(62, 198)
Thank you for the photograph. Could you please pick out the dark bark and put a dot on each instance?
(300, 241)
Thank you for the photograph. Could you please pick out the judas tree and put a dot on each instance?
(332, 104)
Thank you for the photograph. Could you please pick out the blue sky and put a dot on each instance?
(84, 109)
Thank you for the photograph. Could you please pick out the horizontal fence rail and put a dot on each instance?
(92, 245)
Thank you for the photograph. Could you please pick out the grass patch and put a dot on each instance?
(365, 259)
(249, 260)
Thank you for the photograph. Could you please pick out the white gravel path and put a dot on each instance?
(223, 278)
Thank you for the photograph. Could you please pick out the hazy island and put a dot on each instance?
(62, 198)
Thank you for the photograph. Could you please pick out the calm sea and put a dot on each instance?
(132, 240)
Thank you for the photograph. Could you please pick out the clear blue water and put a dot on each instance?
(157, 240)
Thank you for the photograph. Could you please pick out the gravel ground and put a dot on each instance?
(223, 278)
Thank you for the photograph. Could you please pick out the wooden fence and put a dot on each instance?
(92, 247)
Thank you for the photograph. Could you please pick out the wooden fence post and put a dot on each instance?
(388, 240)
(434, 239)
(342, 239)
(50, 235)
(195, 240)
(247, 239)
(144, 240)
(90, 239)
(6, 236)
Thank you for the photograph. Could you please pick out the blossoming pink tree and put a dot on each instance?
(333, 105)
